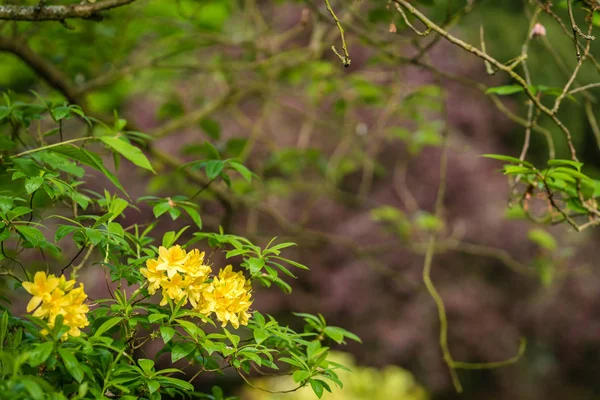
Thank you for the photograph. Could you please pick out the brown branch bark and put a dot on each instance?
(59, 13)
(51, 74)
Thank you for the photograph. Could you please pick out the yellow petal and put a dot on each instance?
(28, 286)
(33, 303)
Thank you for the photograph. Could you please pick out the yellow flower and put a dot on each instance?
(52, 305)
(173, 289)
(171, 260)
(75, 312)
(154, 277)
(194, 265)
(57, 297)
(41, 286)
(229, 297)
(64, 284)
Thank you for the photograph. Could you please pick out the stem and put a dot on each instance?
(51, 146)
(346, 57)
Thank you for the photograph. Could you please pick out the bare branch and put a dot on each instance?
(59, 13)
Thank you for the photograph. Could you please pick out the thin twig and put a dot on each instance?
(62, 271)
(576, 31)
(346, 57)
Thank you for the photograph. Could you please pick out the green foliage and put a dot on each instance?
(44, 358)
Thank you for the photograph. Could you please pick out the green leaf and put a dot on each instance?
(181, 350)
(191, 328)
(107, 325)
(153, 386)
(573, 173)
(117, 206)
(300, 376)
(234, 339)
(174, 382)
(516, 170)
(332, 331)
(132, 153)
(242, 170)
(3, 328)
(17, 212)
(60, 112)
(334, 334)
(211, 151)
(255, 265)
(560, 163)
(89, 159)
(71, 364)
(194, 215)
(171, 237)
(509, 159)
(41, 353)
(30, 234)
(35, 391)
(260, 335)
(167, 333)
(146, 365)
(212, 128)
(542, 239)
(505, 90)
(62, 231)
(291, 361)
(152, 318)
(33, 184)
(213, 168)
(160, 209)
(6, 203)
(317, 387)
(94, 236)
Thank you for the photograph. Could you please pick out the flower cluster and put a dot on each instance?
(184, 276)
(54, 296)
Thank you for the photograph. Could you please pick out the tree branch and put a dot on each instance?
(52, 75)
(59, 13)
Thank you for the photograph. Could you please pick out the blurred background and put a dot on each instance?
(349, 166)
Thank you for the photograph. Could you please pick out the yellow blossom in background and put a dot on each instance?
(41, 286)
(228, 296)
(54, 296)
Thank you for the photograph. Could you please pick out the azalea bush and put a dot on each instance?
(161, 291)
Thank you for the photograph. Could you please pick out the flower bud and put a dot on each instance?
(537, 31)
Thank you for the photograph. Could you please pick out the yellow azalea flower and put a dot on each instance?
(57, 296)
(229, 297)
(195, 289)
(75, 313)
(194, 265)
(41, 286)
(52, 305)
(173, 289)
(64, 284)
(153, 276)
(171, 260)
